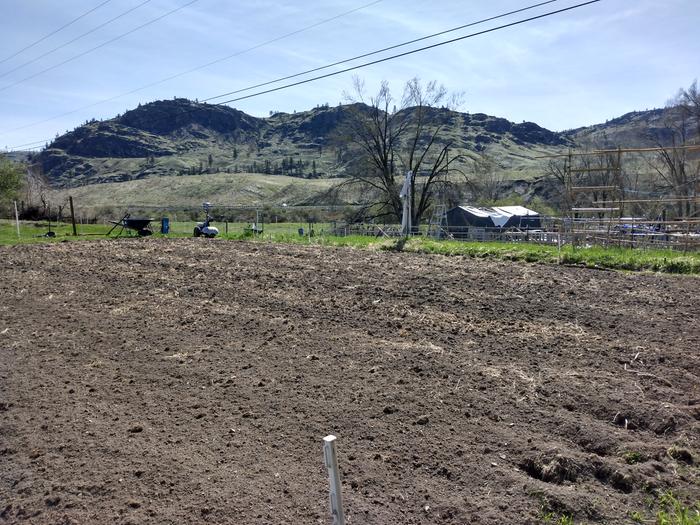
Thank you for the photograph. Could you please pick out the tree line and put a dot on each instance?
(287, 166)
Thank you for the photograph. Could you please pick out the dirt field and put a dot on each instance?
(192, 381)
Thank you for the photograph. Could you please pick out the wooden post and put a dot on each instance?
(72, 216)
(620, 181)
(17, 219)
(331, 459)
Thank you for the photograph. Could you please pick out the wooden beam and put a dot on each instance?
(620, 150)
(576, 189)
(594, 210)
(627, 220)
(587, 170)
(653, 201)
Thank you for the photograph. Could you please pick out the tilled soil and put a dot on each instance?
(192, 381)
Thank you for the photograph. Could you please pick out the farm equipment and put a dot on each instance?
(49, 234)
(204, 229)
(140, 225)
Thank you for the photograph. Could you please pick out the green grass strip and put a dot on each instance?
(666, 261)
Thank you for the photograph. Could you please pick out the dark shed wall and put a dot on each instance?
(460, 218)
(524, 221)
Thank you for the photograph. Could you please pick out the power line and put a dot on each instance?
(197, 68)
(36, 142)
(54, 32)
(386, 59)
(102, 44)
(365, 55)
(393, 57)
(74, 39)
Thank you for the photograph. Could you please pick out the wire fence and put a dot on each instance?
(639, 233)
(677, 235)
(12, 231)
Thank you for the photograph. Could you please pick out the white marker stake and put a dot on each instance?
(17, 219)
(334, 478)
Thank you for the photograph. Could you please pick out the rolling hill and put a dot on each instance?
(181, 137)
(179, 152)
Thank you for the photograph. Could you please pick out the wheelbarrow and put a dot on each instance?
(140, 225)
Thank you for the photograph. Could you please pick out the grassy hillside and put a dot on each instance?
(231, 189)
(180, 153)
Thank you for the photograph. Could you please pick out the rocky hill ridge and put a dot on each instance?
(179, 136)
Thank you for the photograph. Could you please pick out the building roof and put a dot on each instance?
(499, 215)
(478, 212)
(516, 210)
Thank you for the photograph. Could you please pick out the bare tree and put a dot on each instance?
(390, 141)
(677, 167)
(689, 103)
(598, 171)
(486, 183)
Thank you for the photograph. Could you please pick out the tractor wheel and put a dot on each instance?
(197, 231)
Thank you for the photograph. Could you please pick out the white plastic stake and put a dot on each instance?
(17, 219)
(334, 477)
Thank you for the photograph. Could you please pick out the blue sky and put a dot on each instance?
(572, 69)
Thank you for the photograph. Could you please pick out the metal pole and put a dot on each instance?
(331, 460)
(561, 228)
(17, 218)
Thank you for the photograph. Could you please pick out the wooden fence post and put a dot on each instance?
(72, 216)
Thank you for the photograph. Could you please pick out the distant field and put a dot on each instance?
(232, 189)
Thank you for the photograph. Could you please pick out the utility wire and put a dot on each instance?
(197, 68)
(393, 57)
(54, 32)
(152, 21)
(483, 21)
(386, 59)
(74, 39)
(37, 142)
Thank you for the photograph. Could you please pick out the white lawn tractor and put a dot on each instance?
(203, 229)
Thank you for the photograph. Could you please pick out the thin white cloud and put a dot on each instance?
(572, 69)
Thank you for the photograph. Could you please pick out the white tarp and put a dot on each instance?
(500, 215)
(478, 212)
(499, 218)
(520, 211)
